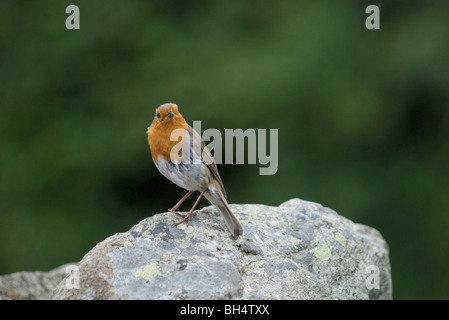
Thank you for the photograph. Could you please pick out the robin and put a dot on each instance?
(182, 157)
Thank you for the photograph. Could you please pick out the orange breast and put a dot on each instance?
(159, 138)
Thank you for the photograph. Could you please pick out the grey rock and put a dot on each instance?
(31, 285)
(299, 250)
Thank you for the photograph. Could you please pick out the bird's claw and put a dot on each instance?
(185, 217)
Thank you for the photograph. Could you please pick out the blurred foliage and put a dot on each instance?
(363, 118)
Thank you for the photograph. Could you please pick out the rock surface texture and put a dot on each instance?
(31, 285)
(298, 250)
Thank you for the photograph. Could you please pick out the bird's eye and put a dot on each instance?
(158, 115)
(171, 114)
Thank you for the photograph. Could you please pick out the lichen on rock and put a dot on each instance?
(298, 250)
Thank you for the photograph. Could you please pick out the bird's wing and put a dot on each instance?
(206, 156)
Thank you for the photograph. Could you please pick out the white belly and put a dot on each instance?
(192, 177)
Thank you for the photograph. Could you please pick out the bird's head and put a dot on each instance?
(168, 116)
(167, 112)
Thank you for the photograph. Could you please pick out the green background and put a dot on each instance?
(363, 118)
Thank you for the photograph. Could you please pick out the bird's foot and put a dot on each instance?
(185, 217)
(179, 214)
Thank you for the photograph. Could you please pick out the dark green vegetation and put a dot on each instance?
(363, 118)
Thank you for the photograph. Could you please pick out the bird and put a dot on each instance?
(182, 157)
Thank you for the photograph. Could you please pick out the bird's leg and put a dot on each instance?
(173, 210)
(191, 214)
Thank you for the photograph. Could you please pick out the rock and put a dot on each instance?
(31, 285)
(299, 250)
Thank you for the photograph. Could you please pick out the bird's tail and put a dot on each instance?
(217, 199)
